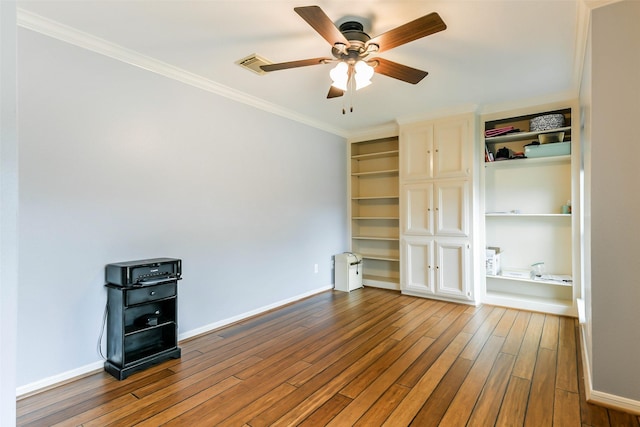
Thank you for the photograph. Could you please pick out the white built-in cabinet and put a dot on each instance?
(436, 208)
(523, 215)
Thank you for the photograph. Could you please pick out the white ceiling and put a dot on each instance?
(493, 51)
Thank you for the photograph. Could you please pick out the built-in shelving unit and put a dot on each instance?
(374, 209)
(523, 204)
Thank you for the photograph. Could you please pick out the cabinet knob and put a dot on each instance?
(428, 209)
(152, 293)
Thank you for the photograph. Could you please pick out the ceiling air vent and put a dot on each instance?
(253, 63)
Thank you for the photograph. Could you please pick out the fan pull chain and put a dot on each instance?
(349, 93)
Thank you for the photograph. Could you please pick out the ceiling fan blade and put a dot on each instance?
(397, 71)
(322, 24)
(414, 30)
(295, 64)
(334, 92)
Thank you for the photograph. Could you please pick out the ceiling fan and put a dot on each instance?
(351, 48)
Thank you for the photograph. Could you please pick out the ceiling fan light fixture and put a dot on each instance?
(340, 76)
(363, 75)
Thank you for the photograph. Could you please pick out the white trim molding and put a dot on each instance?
(599, 397)
(67, 34)
(225, 322)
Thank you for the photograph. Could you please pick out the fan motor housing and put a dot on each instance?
(354, 32)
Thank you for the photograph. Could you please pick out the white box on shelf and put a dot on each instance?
(493, 261)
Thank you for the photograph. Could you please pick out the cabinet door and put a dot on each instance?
(418, 209)
(416, 149)
(451, 142)
(452, 269)
(452, 208)
(417, 258)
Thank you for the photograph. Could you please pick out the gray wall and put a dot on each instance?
(8, 212)
(615, 202)
(118, 163)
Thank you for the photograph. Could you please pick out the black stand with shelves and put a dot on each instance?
(142, 327)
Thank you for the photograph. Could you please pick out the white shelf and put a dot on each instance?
(542, 282)
(374, 173)
(525, 215)
(529, 161)
(380, 258)
(523, 201)
(374, 194)
(382, 154)
(375, 238)
(375, 197)
(518, 136)
(392, 218)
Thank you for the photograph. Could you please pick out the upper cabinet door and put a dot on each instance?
(416, 148)
(436, 149)
(452, 149)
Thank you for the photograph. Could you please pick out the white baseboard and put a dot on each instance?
(599, 397)
(59, 379)
(221, 323)
(77, 373)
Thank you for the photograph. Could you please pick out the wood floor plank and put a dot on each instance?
(436, 405)
(418, 395)
(456, 319)
(383, 363)
(549, 338)
(367, 398)
(326, 412)
(226, 403)
(489, 402)
(317, 398)
(321, 376)
(379, 412)
(98, 411)
(57, 412)
(516, 334)
(174, 393)
(183, 406)
(528, 353)
(514, 404)
(618, 418)
(358, 341)
(566, 409)
(541, 395)
(481, 335)
(459, 410)
(567, 373)
(259, 405)
(505, 324)
(369, 357)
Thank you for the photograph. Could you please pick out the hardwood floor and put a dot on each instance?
(366, 358)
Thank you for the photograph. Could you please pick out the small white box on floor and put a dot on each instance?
(348, 271)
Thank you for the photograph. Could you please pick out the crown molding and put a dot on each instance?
(438, 113)
(67, 34)
(375, 132)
